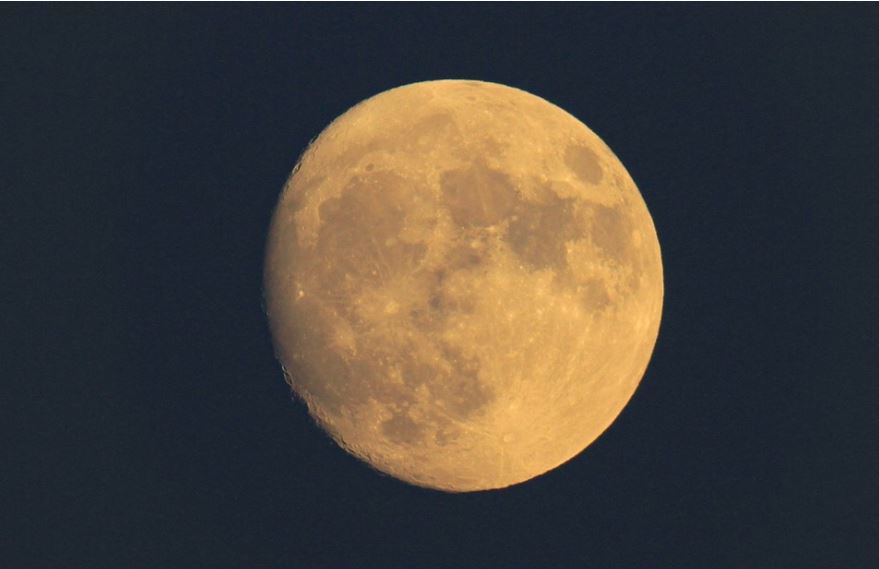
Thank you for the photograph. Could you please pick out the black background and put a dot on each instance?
(144, 148)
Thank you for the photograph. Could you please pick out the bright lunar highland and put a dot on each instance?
(463, 284)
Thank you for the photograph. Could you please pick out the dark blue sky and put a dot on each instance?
(144, 148)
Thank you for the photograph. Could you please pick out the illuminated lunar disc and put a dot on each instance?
(463, 284)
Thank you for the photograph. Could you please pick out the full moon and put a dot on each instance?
(463, 284)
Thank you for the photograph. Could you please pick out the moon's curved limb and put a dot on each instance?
(463, 283)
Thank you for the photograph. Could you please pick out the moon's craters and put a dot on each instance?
(376, 311)
(463, 284)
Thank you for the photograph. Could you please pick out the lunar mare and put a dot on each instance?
(463, 284)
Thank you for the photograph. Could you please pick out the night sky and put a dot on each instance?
(147, 422)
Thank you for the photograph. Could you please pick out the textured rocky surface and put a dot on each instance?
(463, 283)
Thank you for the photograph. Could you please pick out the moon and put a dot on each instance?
(463, 283)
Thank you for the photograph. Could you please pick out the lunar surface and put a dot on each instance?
(463, 284)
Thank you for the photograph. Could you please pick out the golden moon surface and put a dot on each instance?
(463, 284)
